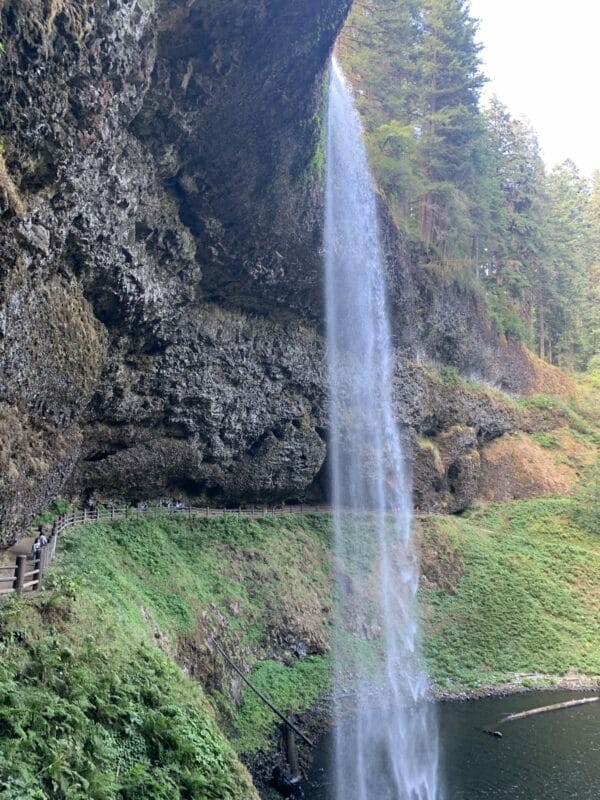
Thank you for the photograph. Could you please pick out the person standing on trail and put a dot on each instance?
(36, 547)
(43, 539)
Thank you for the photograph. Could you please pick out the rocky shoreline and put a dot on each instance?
(522, 684)
(317, 721)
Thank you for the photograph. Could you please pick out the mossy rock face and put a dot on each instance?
(54, 350)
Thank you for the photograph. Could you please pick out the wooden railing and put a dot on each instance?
(27, 574)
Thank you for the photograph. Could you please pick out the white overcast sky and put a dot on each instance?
(543, 61)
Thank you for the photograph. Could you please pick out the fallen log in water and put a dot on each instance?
(544, 709)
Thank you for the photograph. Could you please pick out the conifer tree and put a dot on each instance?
(416, 65)
(516, 268)
(447, 68)
(591, 311)
(569, 258)
(469, 189)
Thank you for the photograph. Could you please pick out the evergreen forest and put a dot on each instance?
(466, 181)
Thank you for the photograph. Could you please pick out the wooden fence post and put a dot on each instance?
(37, 565)
(20, 573)
(112, 512)
(291, 752)
(43, 564)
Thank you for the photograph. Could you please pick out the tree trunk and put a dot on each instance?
(542, 319)
(545, 709)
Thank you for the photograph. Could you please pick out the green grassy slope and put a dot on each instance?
(252, 570)
(250, 581)
(91, 693)
(528, 603)
(92, 703)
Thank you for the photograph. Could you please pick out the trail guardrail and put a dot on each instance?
(27, 573)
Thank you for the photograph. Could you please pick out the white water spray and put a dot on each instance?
(386, 741)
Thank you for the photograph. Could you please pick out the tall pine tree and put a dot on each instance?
(568, 256)
(515, 250)
(469, 189)
(416, 65)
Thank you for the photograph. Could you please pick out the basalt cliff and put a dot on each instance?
(161, 324)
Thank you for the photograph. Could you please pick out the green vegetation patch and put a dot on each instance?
(586, 511)
(290, 689)
(89, 710)
(91, 707)
(581, 416)
(546, 440)
(529, 600)
(248, 569)
(55, 509)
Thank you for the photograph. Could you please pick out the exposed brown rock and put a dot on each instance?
(516, 468)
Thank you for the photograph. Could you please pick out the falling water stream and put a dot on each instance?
(385, 730)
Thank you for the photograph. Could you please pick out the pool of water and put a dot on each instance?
(554, 756)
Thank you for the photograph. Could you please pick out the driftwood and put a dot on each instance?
(544, 709)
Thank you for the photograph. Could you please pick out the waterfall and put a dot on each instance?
(386, 739)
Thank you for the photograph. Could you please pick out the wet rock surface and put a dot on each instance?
(160, 263)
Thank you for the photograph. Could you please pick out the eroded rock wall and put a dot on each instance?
(158, 163)
(161, 211)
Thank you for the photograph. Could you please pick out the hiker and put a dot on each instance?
(36, 547)
(43, 539)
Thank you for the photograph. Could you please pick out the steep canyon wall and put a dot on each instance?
(160, 262)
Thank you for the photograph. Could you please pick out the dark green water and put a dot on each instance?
(553, 756)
